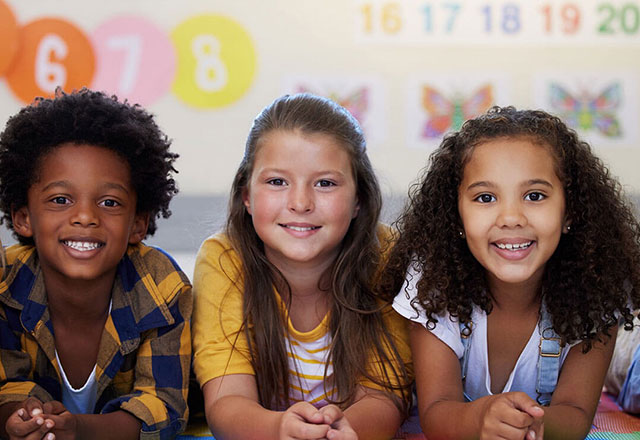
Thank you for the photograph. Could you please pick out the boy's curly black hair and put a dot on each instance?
(592, 278)
(93, 118)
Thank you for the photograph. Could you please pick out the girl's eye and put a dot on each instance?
(109, 203)
(485, 198)
(60, 200)
(276, 182)
(535, 197)
(325, 183)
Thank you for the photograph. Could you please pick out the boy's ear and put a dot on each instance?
(21, 222)
(139, 230)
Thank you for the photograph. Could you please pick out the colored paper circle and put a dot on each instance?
(216, 61)
(8, 37)
(53, 52)
(134, 59)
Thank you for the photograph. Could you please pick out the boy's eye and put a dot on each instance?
(109, 203)
(535, 196)
(485, 198)
(60, 200)
(276, 182)
(325, 183)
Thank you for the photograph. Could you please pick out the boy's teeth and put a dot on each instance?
(514, 246)
(82, 245)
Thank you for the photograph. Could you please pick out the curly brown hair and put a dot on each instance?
(592, 278)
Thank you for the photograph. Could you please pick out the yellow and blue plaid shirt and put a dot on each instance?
(145, 351)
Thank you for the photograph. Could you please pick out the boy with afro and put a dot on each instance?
(94, 325)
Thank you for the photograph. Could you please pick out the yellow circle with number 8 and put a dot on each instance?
(216, 61)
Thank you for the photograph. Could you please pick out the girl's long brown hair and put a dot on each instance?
(359, 334)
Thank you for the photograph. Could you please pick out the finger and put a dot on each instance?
(53, 407)
(536, 430)
(33, 406)
(34, 428)
(302, 430)
(516, 418)
(331, 414)
(22, 413)
(307, 412)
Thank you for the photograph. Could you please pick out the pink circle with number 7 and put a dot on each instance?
(134, 59)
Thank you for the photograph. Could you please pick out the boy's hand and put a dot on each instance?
(512, 416)
(340, 427)
(65, 424)
(28, 423)
(303, 421)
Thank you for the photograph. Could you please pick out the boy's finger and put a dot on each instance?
(33, 406)
(53, 407)
(20, 428)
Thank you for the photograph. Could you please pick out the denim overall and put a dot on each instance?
(549, 352)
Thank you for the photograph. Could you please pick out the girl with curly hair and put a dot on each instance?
(517, 255)
(290, 341)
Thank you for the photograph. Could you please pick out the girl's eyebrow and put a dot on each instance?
(539, 182)
(483, 183)
(488, 184)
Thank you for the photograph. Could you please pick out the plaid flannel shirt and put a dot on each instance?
(145, 351)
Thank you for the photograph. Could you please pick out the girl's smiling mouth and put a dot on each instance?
(298, 228)
(514, 246)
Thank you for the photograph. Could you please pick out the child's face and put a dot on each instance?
(81, 213)
(512, 206)
(302, 197)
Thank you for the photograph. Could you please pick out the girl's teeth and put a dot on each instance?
(82, 245)
(513, 246)
(301, 229)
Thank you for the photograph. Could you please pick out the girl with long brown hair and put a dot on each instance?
(290, 340)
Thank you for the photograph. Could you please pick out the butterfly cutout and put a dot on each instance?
(357, 103)
(450, 113)
(588, 112)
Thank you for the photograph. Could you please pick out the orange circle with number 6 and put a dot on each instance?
(53, 52)
(8, 37)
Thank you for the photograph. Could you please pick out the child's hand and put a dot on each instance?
(340, 427)
(65, 424)
(513, 416)
(28, 423)
(303, 421)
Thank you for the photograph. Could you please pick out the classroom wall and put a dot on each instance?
(409, 70)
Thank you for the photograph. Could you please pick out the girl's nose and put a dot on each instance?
(300, 200)
(511, 215)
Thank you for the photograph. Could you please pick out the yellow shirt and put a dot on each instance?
(217, 328)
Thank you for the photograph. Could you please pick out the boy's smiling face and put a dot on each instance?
(81, 213)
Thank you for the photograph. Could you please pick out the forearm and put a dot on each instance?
(566, 422)
(117, 425)
(449, 419)
(238, 417)
(374, 417)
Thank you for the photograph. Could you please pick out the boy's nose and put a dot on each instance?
(84, 214)
(300, 200)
